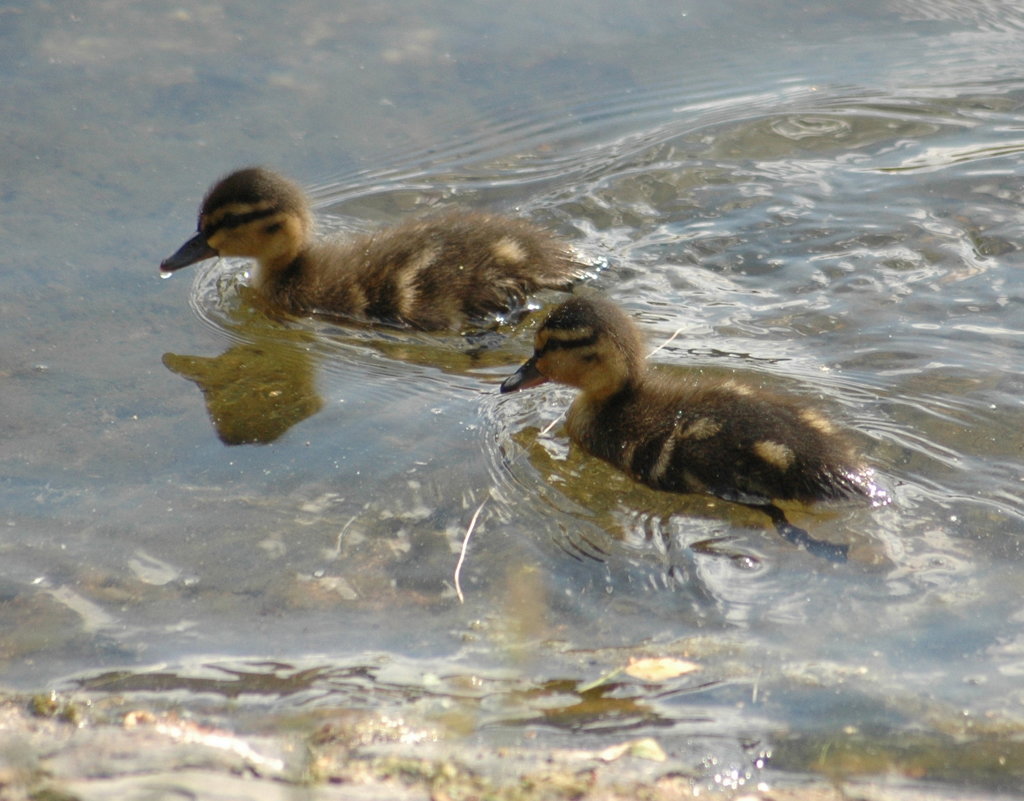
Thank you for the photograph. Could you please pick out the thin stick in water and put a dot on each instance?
(666, 343)
(465, 547)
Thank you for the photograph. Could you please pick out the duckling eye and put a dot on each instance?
(590, 358)
(273, 228)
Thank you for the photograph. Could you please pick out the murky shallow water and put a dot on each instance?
(828, 204)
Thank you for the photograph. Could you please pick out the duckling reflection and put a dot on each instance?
(612, 511)
(722, 438)
(254, 392)
(432, 274)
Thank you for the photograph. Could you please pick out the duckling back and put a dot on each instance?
(723, 438)
(435, 273)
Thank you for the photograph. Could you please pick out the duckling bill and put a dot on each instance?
(435, 273)
(720, 437)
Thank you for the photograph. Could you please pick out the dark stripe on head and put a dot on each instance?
(233, 220)
(567, 343)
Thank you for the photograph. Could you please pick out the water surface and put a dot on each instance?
(824, 200)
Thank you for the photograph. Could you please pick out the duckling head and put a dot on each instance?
(586, 343)
(253, 213)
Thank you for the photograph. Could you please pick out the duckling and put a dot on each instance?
(433, 273)
(720, 437)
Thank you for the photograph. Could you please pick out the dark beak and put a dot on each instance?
(196, 249)
(525, 377)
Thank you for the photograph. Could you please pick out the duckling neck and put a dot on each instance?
(603, 386)
(282, 258)
(316, 279)
(594, 416)
(595, 399)
(614, 392)
(277, 277)
(272, 271)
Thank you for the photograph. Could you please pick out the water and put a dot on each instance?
(825, 200)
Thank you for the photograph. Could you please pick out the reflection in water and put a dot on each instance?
(571, 481)
(254, 392)
(258, 389)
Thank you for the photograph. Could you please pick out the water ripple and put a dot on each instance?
(780, 234)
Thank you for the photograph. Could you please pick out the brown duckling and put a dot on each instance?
(433, 273)
(720, 437)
